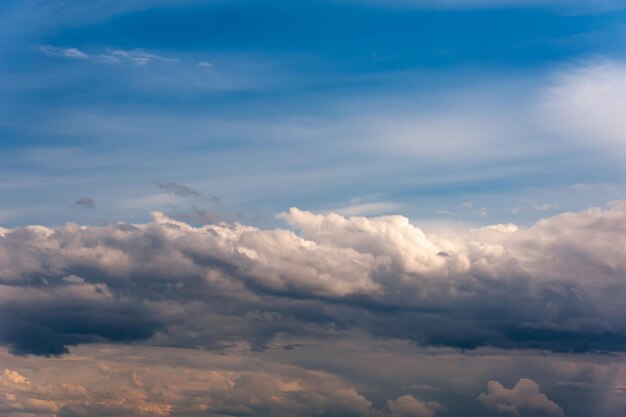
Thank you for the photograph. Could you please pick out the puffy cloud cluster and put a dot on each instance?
(558, 285)
(523, 400)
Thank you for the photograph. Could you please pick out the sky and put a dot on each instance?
(401, 208)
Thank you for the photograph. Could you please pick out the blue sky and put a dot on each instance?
(364, 107)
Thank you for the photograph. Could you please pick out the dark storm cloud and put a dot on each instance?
(49, 328)
(546, 287)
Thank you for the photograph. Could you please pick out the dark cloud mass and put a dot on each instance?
(546, 287)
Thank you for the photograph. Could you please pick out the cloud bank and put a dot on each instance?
(558, 285)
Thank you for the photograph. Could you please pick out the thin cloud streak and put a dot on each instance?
(136, 57)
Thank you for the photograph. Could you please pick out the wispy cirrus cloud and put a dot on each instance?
(136, 57)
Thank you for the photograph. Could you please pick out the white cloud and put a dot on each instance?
(586, 105)
(137, 56)
(108, 56)
(63, 52)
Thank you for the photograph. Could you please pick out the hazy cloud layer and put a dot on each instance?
(190, 384)
(558, 285)
(280, 392)
(373, 379)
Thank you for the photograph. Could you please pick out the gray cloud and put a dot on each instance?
(184, 191)
(48, 319)
(177, 189)
(85, 202)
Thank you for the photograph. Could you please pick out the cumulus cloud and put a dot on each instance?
(557, 285)
(523, 400)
